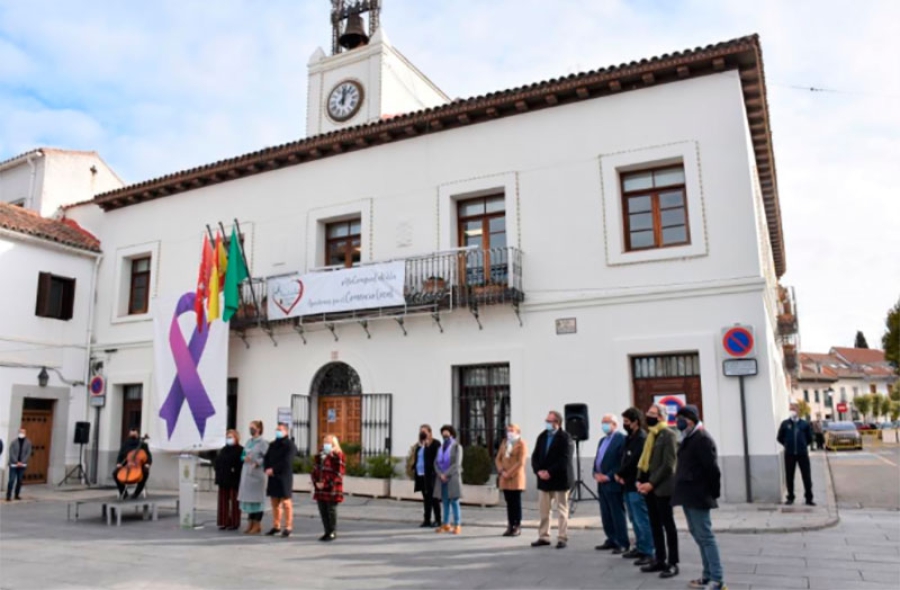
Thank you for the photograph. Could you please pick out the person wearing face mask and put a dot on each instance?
(133, 443)
(228, 478)
(448, 475)
(510, 462)
(697, 486)
(278, 463)
(328, 481)
(632, 422)
(795, 435)
(19, 453)
(609, 491)
(252, 492)
(551, 462)
(420, 468)
(656, 474)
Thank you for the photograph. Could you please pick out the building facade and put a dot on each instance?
(49, 269)
(583, 239)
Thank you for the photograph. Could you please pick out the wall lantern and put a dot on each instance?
(43, 377)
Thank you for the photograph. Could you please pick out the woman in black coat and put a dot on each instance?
(228, 477)
(279, 464)
(420, 468)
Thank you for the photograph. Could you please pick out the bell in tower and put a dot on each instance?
(354, 33)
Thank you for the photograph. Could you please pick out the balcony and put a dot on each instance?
(787, 312)
(435, 283)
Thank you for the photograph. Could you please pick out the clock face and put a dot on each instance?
(345, 100)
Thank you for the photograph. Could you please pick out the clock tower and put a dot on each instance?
(365, 79)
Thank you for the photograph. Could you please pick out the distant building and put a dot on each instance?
(842, 374)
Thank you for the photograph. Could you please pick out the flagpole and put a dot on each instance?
(247, 266)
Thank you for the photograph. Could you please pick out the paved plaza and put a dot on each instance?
(380, 546)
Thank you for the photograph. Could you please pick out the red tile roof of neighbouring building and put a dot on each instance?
(67, 232)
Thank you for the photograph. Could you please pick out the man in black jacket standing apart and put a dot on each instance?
(697, 486)
(551, 462)
(795, 435)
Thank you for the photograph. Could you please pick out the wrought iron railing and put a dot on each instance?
(787, 311)
(440, 280)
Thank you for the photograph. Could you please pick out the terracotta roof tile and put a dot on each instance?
(859, 356)
(743, 54)
(66, 232)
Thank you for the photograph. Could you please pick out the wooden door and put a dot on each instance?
(667, 375)
(38, 425)
(341, 415)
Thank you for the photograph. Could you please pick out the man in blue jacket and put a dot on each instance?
(795, 435)
(612, 499)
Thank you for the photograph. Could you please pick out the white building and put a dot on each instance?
(571, 290)
(46, 179)
(48, 269)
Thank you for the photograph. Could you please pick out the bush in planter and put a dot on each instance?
(381, 466)
(477, 465)
(303, 464)
(352, 461)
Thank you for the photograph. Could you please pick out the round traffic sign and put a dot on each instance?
(673, 403)
(97, 385)
(842, 408)
(738, 341)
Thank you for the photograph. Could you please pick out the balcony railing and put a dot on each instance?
(468, 277)
(787, 312)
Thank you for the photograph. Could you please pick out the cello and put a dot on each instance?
(132, 470)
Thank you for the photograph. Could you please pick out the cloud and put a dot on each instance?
(163, 86)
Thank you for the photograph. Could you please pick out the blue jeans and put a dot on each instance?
(700, 526)
(16, 475)
(640, 521)
(449, 505)
(612, 514)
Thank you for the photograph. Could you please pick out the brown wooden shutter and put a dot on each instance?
(68, 299)
(43, 294)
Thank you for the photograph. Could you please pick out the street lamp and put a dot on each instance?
(43, 377)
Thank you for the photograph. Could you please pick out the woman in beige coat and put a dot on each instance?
(510, 463)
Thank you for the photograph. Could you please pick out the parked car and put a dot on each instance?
(887, 424)
(863, 425)
(842, 435)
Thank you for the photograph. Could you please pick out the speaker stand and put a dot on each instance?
(77, 471)
(575, 495)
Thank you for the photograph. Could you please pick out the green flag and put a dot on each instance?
(237, 272)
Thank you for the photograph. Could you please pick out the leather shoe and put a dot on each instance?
(644, 560)
(670, 571)
(619, 551)
(604, 547)
(561, 544)
(516, 531)
(789, 503)
(631, 554)
(426, 525)
(653, 567)
(540, 543)
(810, 503)
(508, 532)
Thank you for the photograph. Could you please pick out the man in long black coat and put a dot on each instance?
(551, 462)
(279, 464)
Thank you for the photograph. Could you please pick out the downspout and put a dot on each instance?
(95, 273)
(31, 180)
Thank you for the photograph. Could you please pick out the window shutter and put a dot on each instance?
(43, 294)
(68, 300)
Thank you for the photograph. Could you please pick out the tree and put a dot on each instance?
(895, 392)
(803, 409)
(863, 405)
(891, 339)
(895, 411)
(860, 340)
(880, 405)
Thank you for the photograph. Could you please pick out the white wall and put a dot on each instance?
(28, 342)
(23, 182)
(554, 166)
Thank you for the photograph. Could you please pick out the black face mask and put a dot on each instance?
(132, 436)
(423, 437)
(652, 420)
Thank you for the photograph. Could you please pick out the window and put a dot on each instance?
(483, 405)
(55, 297)
(855, 392)
(873, 388)
(655, 208)
(231, 402)
(817, 396)
(343, 243)
(843, 394)
(139, 292)
(482, 226)
(806, 395)
(133, 402)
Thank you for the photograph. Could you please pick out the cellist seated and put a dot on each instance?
(132, 465)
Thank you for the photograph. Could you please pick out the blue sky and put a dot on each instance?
(161, 86)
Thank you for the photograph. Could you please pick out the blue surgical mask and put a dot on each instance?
(229, 441)
(549, 426)
(279, 434)
(327, 448)
(606, 427)
(681, 424)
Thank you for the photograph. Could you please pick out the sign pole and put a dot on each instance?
(746, 443)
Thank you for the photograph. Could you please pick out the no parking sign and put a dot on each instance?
(738, 341)
(673, 402)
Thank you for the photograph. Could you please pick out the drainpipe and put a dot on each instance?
(31, 180)
(87, 368)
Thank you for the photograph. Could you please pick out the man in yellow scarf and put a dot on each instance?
(656, 477)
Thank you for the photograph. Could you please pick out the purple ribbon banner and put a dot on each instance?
(187, 385)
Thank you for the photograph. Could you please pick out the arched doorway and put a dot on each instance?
(338, 390)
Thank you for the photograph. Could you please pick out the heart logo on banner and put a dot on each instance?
(287, 309)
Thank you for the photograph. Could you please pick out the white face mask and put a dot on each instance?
(229, 441)
(327, 448)
(512, 437)
(793, 415)
(21, 435)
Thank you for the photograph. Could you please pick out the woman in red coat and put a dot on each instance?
(328, 479)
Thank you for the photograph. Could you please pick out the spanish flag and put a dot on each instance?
(206, 258)
(214, 283)
(222, 260)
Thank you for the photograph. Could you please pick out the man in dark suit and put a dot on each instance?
(551, 462)
(795, 435)
(612, 500)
